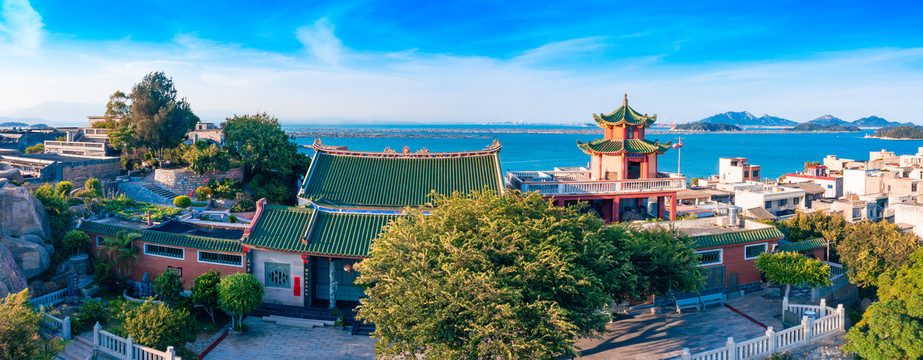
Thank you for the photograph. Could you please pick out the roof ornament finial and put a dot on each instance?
(625, 102)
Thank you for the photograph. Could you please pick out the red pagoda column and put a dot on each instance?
(673, 207)
(615, 210)
(661, 204)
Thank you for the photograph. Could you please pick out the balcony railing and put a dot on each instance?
(550, 183)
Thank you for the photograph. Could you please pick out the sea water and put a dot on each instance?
(776, 153)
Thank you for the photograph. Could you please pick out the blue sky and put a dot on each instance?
(468, 61)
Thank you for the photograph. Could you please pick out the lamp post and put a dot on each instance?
(678, 146)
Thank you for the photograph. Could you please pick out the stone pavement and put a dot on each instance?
(265, 340)
(767, 312)
(663, 336)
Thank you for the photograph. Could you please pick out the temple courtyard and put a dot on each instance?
(265, 340)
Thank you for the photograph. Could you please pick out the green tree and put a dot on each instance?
(870, 249)
(205, 291)
(259, 142)
(512, 277)
(182, 201)
(35, 149)
(75, 240)
(120, 251)
(169, 287)
(19, 326)
(791, 268)
(159, 118)
(239, 295)
(203, 157)
(59, 214)
(158, 326)
(892, 327)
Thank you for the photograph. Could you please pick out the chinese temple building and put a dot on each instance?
(305, 255)
(621, 181)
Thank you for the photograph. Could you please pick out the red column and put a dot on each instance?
(661, 203)
(673, 207)
(606, 211)
(559, 202)
(615, 210)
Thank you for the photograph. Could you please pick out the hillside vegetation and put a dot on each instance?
(707, 127)
(900, 132)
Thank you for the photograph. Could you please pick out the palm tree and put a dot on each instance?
(120, 251)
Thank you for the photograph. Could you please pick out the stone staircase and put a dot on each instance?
(153, 187)
(362, 329)
(80, 348)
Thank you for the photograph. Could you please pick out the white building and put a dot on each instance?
(854, 180)
(737, 169)
(832, 185)
(778, 201)
(911, 214)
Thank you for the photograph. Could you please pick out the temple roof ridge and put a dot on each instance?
(624, 115)
(405, 153)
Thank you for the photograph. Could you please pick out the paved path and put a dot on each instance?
(663, 336)
(265, 340)
(768, 312)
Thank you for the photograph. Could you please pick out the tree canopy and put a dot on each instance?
(205, 291)
(19, 326)
(870, 249)
(512, 276)
(203, 157)
(239, 295)
(892, 327)
(791, 268)
(161, 120)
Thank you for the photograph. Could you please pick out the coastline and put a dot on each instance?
(889, 138)
(480, 132)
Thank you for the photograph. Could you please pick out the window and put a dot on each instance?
(796, 201)
(830, 186)
(783, 202)
(754, 251)
(277, 275)
(710, 257)
(163, 251)
(99, 240)
(768, 205)
(756, 173)
(746, 174)
(219, 258)
(714, 277)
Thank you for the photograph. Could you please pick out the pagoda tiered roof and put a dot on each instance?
(353, 179)
(630, 146)
(624, 115)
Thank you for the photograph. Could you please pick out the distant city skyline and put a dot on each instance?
(468, 62)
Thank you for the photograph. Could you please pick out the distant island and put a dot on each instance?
(709, 127)
(746, 119)
(813, 127)
(906, 132)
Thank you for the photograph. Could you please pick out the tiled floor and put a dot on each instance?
(265, 340)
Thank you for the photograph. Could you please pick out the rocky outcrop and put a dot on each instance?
(11, 174)
(12, 279)
(22, 214)
(33, 259)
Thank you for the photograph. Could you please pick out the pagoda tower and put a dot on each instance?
(624, 153)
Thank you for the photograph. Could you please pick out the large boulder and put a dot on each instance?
(11, 174)
(32, 258)
(11, 278)
(22, 214)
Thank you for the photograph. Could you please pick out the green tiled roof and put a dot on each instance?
(345, 234)
(739, 237)
(385, 182)
(279, 227)
(804, 245)
(164, 238)
(630, 146)
(624, 115)
(334, 234)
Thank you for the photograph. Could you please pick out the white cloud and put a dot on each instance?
(320, 41)
(20, 27)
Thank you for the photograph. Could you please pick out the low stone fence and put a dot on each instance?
(56, 297)
(828, 321)
(182, 181)
(126, 349)
(60, 325)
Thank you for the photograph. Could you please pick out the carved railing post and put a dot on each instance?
(732, 349)
(66, 328)
(806, 327)
(823, 308)
(771, 335)
(686, 354)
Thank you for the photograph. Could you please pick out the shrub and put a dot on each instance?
(74, 201)
(93, 187)
(202, 193)
(76, 240)
(35, 149)
(232, 219)
(244, 203)
(239, 295)
(182, 201)
(158, 326)
(65, 187)
(90, 312)
(169, 287)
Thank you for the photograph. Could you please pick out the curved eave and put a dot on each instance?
(624, 115)
(660, 149)
(491, 149)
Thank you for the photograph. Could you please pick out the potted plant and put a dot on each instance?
(340, 322)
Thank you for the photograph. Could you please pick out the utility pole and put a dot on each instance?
(678, 146)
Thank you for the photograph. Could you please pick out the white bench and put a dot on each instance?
(687, 304)
(713, 299)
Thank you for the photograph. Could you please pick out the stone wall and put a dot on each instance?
(182, 181)
(103, 170)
